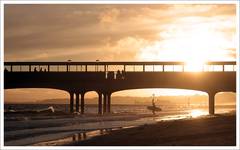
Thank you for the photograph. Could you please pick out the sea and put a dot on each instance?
(51, 124)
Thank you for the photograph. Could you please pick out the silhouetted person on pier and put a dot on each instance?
(35, 69)
(5, 70)
(118, 76)
(110, 75)
(45, 70)
(41, 69)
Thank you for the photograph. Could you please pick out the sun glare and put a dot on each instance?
(194, 65)
(195, 46)
(196, 113)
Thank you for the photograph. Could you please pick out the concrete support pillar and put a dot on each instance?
(71, 102)
(211, 103)
(82, 103)
(108, 103)
(100, 103)
(77, 102)
(104, 103)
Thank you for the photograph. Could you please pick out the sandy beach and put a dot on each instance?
(218, 130)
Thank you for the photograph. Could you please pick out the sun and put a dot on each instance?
(196, 48)
(199, 44)
(195, 62)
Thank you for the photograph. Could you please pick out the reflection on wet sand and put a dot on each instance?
(78, 137)
(87, 135)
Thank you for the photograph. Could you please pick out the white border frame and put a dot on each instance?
(2, 2)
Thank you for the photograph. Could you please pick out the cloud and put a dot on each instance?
(126, 49)
(59, 32)
(109, 16)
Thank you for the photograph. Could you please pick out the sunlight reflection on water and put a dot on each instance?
(197, 113)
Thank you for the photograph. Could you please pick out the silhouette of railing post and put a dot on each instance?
(77, 102)
(211, 102)
(71, 102)
(82, 102)
(48, 66)
(105, 68)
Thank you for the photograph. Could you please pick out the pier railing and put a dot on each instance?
(227, 66)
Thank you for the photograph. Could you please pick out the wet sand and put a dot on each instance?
(219, 130)
(36, 129)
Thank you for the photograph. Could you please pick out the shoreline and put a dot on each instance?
(218, 130)
(79, 129)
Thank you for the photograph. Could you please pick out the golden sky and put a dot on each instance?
(119, 32)
(136, 32)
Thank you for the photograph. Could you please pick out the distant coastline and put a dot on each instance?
(133, 100)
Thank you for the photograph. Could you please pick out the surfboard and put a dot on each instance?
(154, 108)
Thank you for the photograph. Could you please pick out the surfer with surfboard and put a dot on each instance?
(154, 108)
